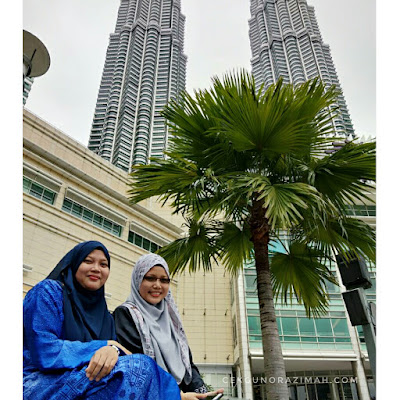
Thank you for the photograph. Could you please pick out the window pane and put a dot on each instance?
(76, 210)
(87, 215)
(291, 339)
(98, 220)
(371, 211)
(116, 230)
(67, 205)
(289, 326)
(107, 225)
(276, 247)
(27, 185)
(48, 196)
(153, 247)
(36, 191)
(308, 339)
(340, 327)
(311, 392)
(254, 325)
(307, 327)
(146, 244)
(251, 284)
(278, 322)
(324, 327)
(138, 240)
(130, 237)
(325, 339)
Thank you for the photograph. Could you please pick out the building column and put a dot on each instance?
(362, 384)
(334, 391)
(245, 368)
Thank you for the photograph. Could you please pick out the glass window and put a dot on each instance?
(289, 326)
(48, 196)
(324, 327)
(26, 185)
(306, 327)
(323, 391)
(340, 327)
(254, 325)
(107, 225)
(143, 242)
(138, 240)
(308, 339)
(276, 247)
(251, 284)
(67, 205)
(311, 392)
(87, 215)
(153, 247)
(325, 339)
(36, 190)
(291, 339)
(97, 220)
(278, 322)
(76, 210)
(146, 244)
(116, 230)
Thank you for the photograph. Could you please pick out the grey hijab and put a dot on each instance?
(160, 326)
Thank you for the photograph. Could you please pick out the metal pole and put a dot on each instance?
(370, 340)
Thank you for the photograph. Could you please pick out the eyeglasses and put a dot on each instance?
(152, 279)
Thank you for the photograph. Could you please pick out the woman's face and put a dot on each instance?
(155, 285)
(93, 272)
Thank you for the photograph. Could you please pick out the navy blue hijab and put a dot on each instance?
(86, 316)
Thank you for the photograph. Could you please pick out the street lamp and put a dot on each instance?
(355, 278)
(36, 61)
(36, 58)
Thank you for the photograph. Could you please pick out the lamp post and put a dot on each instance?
(356, 279)
(36, 58)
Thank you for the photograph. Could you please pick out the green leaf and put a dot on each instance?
(300, 274)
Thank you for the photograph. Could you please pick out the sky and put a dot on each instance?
(216, 41)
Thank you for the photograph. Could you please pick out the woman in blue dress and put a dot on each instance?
(70, 351)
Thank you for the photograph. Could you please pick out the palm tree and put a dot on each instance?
(246, 166)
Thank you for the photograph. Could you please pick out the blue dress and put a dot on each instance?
(54, 369)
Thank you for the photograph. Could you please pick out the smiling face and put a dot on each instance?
(93, 272)
(154, 292)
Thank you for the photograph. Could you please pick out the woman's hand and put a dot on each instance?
(195, 396)
(119, 345)
(102, 363)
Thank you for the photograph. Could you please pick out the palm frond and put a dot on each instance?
(344, 175)
(235, 246)
(340, 234)
(193, 252)
(299, 274)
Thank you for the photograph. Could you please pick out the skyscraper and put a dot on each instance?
(27, 86)
(286, 42)
(145, 68)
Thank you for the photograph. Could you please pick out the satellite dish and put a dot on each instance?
(36, 56)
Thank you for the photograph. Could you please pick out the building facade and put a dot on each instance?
(286, 42)
(325, 358)
(145, 68)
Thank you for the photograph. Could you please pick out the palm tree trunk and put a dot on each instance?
(274, 367)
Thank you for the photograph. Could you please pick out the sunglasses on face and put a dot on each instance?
(152, 279)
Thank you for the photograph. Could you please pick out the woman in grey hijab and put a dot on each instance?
(149, 323)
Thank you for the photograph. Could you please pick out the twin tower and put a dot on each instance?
(145, 68)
